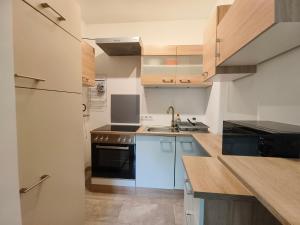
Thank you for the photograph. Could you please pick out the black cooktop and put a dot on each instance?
(116, 128)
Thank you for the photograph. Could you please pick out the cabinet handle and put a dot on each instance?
(26, 189)
(187, 142)
(164, 149)
(185, 81)
(168, 81)
(218, 53)
(60, 17)
(188, 217)
(30, 78)
(188, 187)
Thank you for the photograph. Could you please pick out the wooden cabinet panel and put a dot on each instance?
(50, 141)
(43, 50)
(191, 81)
(210, 41)
(158, 80)
(189, 49)
(209, 46)
(253, 32)
(55, 10)
(155, 162)
(88, 64)
(159, 50)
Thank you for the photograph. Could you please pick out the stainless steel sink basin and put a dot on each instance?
(162, 129)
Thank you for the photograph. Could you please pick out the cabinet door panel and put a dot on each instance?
(244, 22)
(155, 162)
(43, 50)
(68, 9)
(50, 142)
(185, 146)
(209, 47)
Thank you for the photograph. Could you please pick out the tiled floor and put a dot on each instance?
(143, 207)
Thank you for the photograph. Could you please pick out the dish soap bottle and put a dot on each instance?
(177, 120)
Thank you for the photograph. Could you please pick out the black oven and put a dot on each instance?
(261, 138)
(113, 156)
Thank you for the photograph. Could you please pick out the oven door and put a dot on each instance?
(113, 161)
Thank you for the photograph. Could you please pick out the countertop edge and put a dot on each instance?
(259, 197)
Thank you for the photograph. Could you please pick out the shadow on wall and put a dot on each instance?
(185, 100)
(270, 94)
(118, 66)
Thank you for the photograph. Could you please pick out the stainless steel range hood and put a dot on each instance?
(120, 46)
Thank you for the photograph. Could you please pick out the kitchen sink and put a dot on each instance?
(162, 129)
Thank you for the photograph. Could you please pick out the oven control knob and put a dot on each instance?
(106, 138)
(96, 138)
(124, 140)
(119, 139)
(129, 140)
(101, 139)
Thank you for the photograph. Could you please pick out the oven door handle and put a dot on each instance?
(112, 147)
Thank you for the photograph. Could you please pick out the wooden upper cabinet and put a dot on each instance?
(212, 72)
(159, 50)
(88, 64)
(173, 66)
(255, 31)
(64, 13)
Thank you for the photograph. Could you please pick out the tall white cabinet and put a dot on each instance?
(49, 118)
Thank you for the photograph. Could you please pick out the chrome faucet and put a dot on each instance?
(171, 108)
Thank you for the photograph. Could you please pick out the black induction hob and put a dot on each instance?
(118, 128)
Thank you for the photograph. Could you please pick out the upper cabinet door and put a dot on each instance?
(64, 13)
(210, 41)
(209, 47)
(255, 31)
(43, 50)
(88, 64)
(244, 21)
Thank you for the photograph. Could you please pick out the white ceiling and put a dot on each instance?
(122, 11)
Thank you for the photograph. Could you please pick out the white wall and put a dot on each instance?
(9, 195)
(273, 93)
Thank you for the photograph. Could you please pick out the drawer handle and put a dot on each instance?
(27, 189)
(31, 78)
(166, 149)
(60, 17)
(188, 187)
(188, 217)
(185, 81)
(168, 81)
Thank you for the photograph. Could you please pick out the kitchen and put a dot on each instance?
(252, 79)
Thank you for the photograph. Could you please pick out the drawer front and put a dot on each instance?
(243, 22)
(64, 13)
(43, 50)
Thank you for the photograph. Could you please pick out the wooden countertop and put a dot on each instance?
(209, 178)
(212, 143)
(274, 181)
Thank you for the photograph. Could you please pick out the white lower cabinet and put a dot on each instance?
(193, 207)
(185, 146)
(155, 157)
